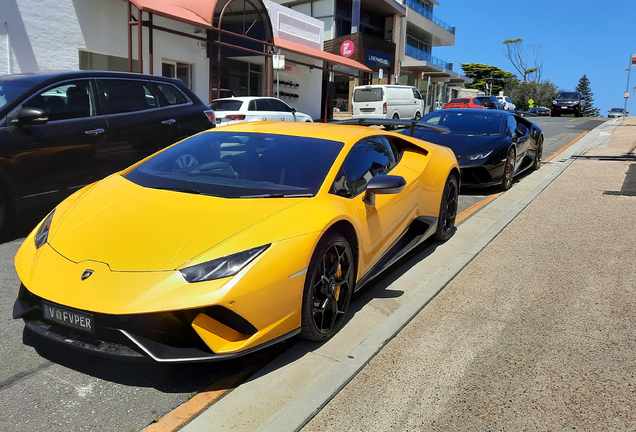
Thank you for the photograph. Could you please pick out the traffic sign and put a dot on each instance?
(530, 103)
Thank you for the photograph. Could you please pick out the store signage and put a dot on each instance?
(346, 49)
(278, 61)
(375, 58)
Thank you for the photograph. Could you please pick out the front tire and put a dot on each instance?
(538, 155)
(509, 170)
(448, 210)
(328, 288)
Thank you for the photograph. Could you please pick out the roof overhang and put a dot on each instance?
(319, 54)
(437, 73)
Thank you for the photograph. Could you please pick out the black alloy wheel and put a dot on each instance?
(509, 170)
(417, 116)
(448, 210)
(328, 288)
(538, 155)
(395, 117)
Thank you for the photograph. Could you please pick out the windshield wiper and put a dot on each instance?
(305, 195)
(176, 189)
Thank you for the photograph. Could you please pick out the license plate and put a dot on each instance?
(71, 318)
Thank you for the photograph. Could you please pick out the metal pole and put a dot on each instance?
(151, 50)
(629, 71)
(130, 67)
(10, 56)
(140, 42)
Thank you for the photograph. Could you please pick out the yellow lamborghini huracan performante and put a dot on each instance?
(232, 240)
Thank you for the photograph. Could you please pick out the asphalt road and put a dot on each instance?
(45, 387)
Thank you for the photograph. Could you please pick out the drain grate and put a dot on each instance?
(629, 185)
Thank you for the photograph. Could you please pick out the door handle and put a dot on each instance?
(94, 132)
(282, 118)
(168, 122)
(264, 118)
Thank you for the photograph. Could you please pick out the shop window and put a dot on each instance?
(182, 71)
(93, 61)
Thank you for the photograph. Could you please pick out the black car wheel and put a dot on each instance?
(539, 154)
(417, 116)
(328, 288)
(509, 170)
(448, 210)
(395, 117)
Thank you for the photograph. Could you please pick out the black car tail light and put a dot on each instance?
(211, 116)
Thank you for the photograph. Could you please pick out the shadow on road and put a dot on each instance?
(167, 378)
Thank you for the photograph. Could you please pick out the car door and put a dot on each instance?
(52, 160)
(282, 110)
(381, 223)
(417, 102)
(138, 123)
(521, 137)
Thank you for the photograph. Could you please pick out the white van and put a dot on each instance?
(384, 101)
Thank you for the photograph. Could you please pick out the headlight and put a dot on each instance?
(575, 103)
(554, 102)
(482, 155)
(43, 233)
(221, 267)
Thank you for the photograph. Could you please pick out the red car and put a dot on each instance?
(465, 103)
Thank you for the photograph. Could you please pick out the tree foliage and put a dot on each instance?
(527, 60)
(584, 87)
(541, 93)
(482, 74)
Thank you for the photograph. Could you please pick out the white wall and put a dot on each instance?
(49, 38)
(309, 85)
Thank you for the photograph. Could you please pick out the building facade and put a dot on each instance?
(395, 39)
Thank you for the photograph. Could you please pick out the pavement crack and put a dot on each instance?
(20, 376)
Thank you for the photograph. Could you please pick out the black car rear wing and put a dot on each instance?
(394, 123)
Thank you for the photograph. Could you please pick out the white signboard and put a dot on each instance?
(381, 73)
(278, 61)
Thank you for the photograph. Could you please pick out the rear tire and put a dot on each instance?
(448, 210)
(395, 117)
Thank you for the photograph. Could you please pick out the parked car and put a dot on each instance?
(251, 108)
(233, 239)
(387, 101)
(491, 146)
(490, 102)
(617, 112)
(60, 131)
(507, 103)
(540, 111)
(569, 103)
(465, 103)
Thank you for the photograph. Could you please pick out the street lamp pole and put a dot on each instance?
(629, 71)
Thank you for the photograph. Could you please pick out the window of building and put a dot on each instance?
(93, 61)
(182, 71)
(418, 44)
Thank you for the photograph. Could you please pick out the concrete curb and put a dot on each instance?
(302, 406)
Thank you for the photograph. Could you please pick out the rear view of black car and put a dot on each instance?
(61, 131)
(569, 103)
(490, 102)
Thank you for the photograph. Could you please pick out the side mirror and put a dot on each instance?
(30, 117)
(293, 110)
(383, 184)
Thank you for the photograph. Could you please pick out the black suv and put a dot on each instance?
(61, 131)
(569, 103)
(490, 102)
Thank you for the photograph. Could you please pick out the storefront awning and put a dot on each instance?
(195, 12)
(319, 54)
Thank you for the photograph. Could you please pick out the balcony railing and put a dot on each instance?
(418, 54)
(417, 7)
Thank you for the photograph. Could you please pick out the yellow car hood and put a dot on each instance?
(132, 228)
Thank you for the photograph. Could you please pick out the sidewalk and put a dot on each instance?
(536, 333)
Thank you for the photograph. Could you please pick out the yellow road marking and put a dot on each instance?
(559, 151)
(474, 208)
(184, 413)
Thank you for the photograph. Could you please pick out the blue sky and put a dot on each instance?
(578, 37)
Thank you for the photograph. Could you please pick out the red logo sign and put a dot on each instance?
(346, 49)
